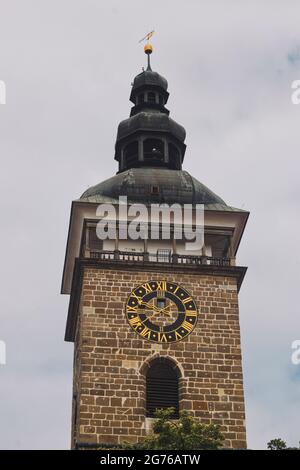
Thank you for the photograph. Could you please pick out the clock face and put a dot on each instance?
(161, 311)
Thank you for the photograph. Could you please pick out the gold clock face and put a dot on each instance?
(161, 311)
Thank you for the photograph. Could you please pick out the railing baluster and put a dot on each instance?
(123, 256)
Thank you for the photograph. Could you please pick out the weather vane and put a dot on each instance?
(148, 47)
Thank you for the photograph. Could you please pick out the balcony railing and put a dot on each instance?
(120, 256)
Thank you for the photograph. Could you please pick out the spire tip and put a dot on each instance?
(148, 49)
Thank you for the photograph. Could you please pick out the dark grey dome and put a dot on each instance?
(172, 186)
(148, 77)
(150, 121)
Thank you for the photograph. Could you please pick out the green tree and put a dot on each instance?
(279, 444)
(182, 434)
(276, 444)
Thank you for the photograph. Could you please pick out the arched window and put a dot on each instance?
(151, 97)
(154, 151)
(162, 387)
(174, 157)
(131, 154)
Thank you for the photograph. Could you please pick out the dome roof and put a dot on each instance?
(150, 121)
(148, 77)
(173, 186)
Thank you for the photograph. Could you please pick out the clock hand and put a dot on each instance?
(150, 306)
(156, 311)
(162, 310)
(165, 308)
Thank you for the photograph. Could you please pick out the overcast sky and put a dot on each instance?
(68, 65)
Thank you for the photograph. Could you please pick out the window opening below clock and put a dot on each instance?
(161, 302)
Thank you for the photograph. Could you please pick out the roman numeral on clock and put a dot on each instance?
(162, 338)
(191, 313)
(161, 286)
(131, 309)
(187, 326)
(178, 336)
(135, 296)
(147, 288)
(135, 322)
(146, 333)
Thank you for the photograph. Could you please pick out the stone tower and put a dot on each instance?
(154, 321)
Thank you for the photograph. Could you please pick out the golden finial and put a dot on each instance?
(148, 47)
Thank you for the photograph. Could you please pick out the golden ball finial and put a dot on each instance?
(148, 48)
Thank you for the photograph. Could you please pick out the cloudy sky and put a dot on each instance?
(68, 65)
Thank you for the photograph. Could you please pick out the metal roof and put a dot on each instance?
(156, 185)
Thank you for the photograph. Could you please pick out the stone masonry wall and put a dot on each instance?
(108, 381)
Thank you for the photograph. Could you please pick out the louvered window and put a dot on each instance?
(162, 389)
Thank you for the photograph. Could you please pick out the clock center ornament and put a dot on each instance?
(161, 311)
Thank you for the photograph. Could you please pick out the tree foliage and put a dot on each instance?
(279, 444)
(276, 444)
(183, 434)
